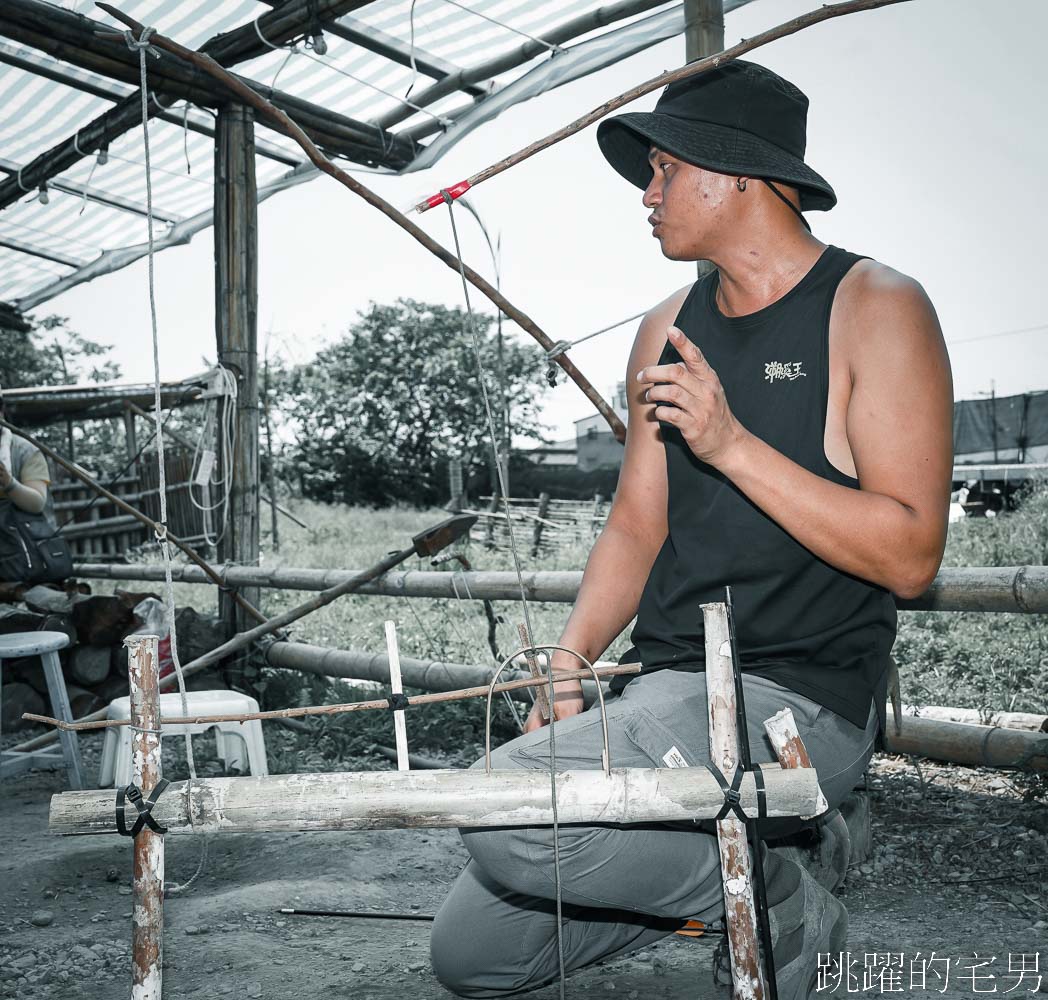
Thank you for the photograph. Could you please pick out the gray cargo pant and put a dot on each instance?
(622, 886)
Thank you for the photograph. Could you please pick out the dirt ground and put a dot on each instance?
(957, 886)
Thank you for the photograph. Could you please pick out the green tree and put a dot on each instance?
(378, 414)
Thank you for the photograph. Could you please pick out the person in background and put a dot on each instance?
(24, 475)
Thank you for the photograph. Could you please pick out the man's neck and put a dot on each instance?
(759, 268)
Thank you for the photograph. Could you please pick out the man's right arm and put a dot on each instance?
(622, 555)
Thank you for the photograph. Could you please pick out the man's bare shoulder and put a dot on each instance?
(879, 311)
(651, 335)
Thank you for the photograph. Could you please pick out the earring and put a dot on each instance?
(740, 183)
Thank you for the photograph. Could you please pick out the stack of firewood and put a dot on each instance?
(95, 662)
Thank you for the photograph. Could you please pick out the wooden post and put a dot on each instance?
(147, 929)
(274, 527)
(536, 538)
(236, 306)
(598, 499)
(129, 433)
(740, 917)
(703, 36)
(393, 652)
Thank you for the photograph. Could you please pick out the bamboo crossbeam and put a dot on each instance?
(393, 800)
(999, 589)
(280, 120)
(662, 80)
(379, 704)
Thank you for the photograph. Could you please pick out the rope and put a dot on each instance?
(555, 49)
(475, 340)
(143, 47)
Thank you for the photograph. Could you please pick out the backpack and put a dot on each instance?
(31, 550)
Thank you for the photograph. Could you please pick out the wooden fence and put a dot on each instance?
(539, 524)
(97, 530)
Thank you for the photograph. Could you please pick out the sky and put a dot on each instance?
(927, 117)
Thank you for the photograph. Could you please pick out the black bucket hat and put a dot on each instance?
(740, 119)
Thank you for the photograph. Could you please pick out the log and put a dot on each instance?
(61, 623)
(89, 665)
(392, 800)
(14, 619)
(740, 914)
(81, 700)
(18, 697)
(1030, 721)
(46, 600)
(977, 746)
(1016, 589)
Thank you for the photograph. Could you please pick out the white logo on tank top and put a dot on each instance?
(783, 369)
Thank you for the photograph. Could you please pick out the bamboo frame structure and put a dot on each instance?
(273, 114)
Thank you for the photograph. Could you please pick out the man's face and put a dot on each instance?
(690, 205)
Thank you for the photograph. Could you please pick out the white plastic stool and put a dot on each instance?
(237, 743)
(45, 645)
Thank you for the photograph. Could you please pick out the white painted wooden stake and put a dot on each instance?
(740, 916)
(399, 724)
(147, 929)
(790, 749)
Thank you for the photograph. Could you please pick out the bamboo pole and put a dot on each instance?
(147, 929)
(996, 589)
(740, 915)
(662, 80)
(480, 691)
(1030, 721)
(790, 749)
(392, 800)
(319, 160)
(977, 746)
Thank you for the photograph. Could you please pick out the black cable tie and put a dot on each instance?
(143, 805)
(762, 797)
(732, 796)
(398, 702)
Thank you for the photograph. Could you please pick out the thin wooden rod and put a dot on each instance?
(662, 80)
(351, 706)
(154, 526)
(248, 96)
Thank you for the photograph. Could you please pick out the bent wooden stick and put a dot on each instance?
(319, 160)
(351, 706)
(662, 80)
(740, 915)
(391, 800)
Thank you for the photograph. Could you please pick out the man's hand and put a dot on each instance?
(692, 400)
(6, 479)
(567, 701)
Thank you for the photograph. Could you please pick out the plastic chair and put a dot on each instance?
(67, 754)
(240, 745)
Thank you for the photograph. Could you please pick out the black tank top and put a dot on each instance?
(799, 621)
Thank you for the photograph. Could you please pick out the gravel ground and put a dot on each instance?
(958, 877)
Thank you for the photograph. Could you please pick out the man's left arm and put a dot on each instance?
(892, 530)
